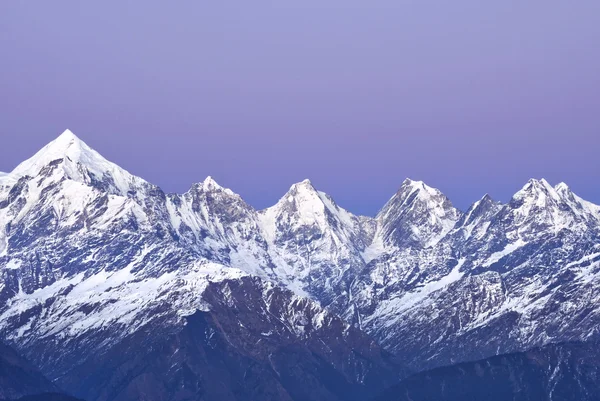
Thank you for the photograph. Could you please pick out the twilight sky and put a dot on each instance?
(469, 96)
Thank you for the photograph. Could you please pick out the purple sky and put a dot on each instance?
(469, 96)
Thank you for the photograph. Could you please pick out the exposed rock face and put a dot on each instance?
(569, 371)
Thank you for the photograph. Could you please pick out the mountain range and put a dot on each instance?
(117, 290)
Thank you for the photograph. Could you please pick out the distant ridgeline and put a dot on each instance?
(568, 371)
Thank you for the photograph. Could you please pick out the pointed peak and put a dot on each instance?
(408, 182)
(484, 202)
(534, 183)
(417, 214)
(68, 135)
(66, 146)
(209, 184)
(483, 208)
(410, 186)
(209, 181)
(487, 198)
(304, 184)
(417, 191)
(75, 156)
(65, 141)
(538, 185)
(302, 192)
(537, 190)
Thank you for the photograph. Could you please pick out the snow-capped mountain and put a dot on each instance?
(505, 278)
(319, 241)
(91, 255)
(417, 216)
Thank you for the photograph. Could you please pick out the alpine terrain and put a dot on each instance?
(116, 290)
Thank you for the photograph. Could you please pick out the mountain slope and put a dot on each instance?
(18, 377)
(569, 371)
(254, 341)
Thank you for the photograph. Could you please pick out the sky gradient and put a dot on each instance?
(469, 96)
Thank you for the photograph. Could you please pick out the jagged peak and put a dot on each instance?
(567, 194)
(576, 202)
(302, 192)
(412, 190)
(409, 186)
(210, 185)
(304, 184)
(538, 189)
(540, 185)
(484, 206)
(417, 205)
(306, 200)
(559, 201)
(408, 182)
(487, 198)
